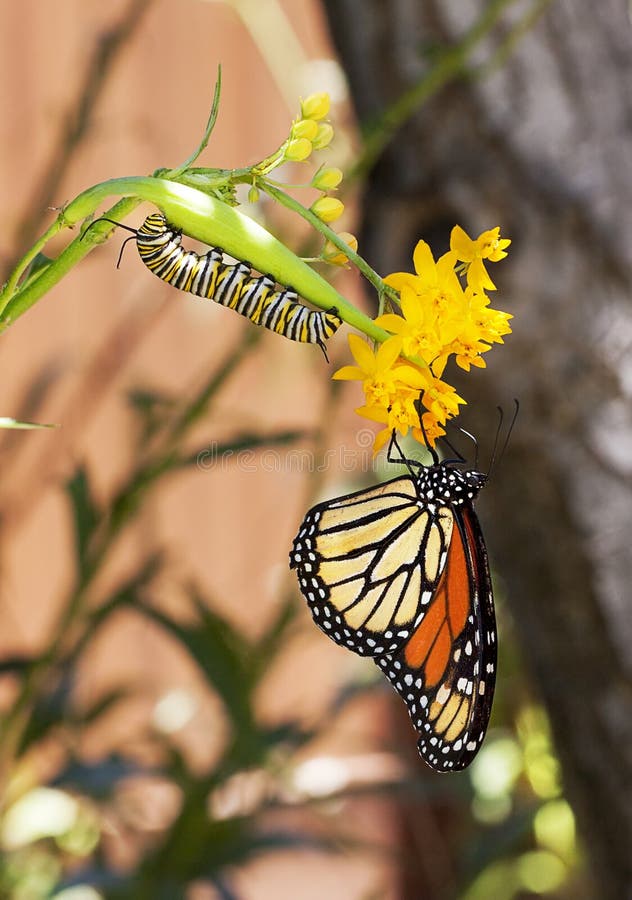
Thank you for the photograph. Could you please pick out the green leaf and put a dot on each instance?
(128, 594)
(50, 710)
(7, 422)
(151, 408)
(207, 131)
(274, 638)
(17, 665)
(100, 707)
(39, 263)
(86, 515)
(222, 655)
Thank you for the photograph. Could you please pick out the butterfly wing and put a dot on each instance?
(369, 564)
(446, 670)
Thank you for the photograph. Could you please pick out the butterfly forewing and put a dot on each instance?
(369, 563)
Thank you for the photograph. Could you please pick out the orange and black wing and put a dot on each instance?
(369, 564)
(446, 670)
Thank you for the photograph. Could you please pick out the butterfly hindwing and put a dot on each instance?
(369, 563)
(445, 672)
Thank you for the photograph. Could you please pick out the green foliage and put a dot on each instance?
(44, 829)
(516, 830)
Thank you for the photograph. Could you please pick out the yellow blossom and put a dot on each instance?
(328, 209)
(316, 106)
(439, 398)
(298, 150)
(418, 326)
(305, 128)
(327, 178)
(381, 379)
(431, 431)
(324, 136)
(488, 245)
(439, 318)
(400, 415)
(436, 280)
(335, 257)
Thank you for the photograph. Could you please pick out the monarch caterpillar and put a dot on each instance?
(399, 572)
(232, 285)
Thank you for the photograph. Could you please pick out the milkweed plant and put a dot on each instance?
(424, 319)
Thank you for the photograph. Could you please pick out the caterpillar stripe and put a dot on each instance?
(232, 285)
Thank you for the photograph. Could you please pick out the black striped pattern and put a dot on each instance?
(207, 275)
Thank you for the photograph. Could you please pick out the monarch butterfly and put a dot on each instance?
(232, 285)
(399, 572)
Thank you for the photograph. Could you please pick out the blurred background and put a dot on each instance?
(173, 724)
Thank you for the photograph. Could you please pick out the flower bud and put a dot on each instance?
(336, 257)
(327, 179)
(324, 136)
(298, 150)
(253, 194)
(305, 128)
(316, 106)
(328, 209)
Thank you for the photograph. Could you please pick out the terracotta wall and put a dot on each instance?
(103, 331)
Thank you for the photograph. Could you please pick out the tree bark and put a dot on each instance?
(541, 146)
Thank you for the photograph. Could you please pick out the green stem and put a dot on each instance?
(196, 214)
(289, 202)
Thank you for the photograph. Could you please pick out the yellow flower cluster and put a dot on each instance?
(309, 132)
(445, 312)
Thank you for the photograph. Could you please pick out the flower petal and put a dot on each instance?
(391, 322)
(462, 245)
(349, 373)
(362, 353)
(398, 279)
(388, 352)
(423, 259)
(381, 439)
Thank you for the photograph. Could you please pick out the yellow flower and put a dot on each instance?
(439, 319)
(417, 326)
(431, 431)
(488, 245)
(335, 257)
(439, 397)
(436, 280)
(324, 136)
(400, 415)
(381, 379)
(305, 128)
(390, 389)
(298, 150)
(327, 178)
(316, 106)
(328, 209)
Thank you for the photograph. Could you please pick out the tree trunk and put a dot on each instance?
(540, 145)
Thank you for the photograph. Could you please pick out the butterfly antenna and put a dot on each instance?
(497, 456)
(123, 246)
(409, 463)
(431, 450)
(458, 457)
(134, 233)
(509, 430)
(112, 222)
